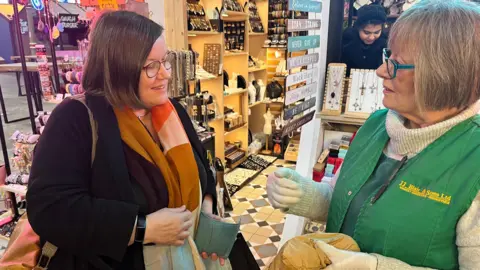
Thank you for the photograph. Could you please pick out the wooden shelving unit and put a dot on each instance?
(257, 50)
(232, 62)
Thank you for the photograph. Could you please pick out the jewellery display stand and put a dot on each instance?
(365, 93)
(333, 97)
(214, 58)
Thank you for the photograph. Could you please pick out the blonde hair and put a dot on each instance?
(444, 36)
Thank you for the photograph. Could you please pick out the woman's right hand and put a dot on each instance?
(168, 226)
(283, 189)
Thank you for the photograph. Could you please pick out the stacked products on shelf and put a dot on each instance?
(7, 225)
(44, 72)
(41, 121)
(331, 159)
(182, 70)
(277, 27)
(22, 158)
(246, 171)
(234, 36)
(256, 25)
(74, 80)
(197, 21)
(232, 5)
(255, 62)
(234, 153)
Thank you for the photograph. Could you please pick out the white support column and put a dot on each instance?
(311, 139)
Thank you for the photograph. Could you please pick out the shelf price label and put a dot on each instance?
(297, 123)
(296, 25)
(303, 60)
(290, 113)
(303, 43)
(305, 5)
(297, 94)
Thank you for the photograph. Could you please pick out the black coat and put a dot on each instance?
(358, 55)
(88, 211)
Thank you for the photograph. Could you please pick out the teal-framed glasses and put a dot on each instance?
(392, 65)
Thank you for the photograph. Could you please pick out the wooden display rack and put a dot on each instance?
(178, 37)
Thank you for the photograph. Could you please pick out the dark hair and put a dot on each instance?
(370, 14)
(119, 46)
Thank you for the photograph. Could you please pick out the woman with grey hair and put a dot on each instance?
(408, 190)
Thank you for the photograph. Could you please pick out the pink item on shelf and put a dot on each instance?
(78, 76)
(68, 76)
(5, 221)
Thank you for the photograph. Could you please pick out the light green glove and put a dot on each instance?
(298, 195)
(284, 189)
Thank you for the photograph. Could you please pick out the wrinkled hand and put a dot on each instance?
(283, 189)
(207, 208)
(168, 226)
(342, 259)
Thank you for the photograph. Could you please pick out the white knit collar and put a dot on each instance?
(410, 142)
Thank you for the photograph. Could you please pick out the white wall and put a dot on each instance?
(157, 13)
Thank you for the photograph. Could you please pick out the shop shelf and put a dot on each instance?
(235, 129)
(257, 34)
(255, 69)
(235, 92)
(202, 33)
(340, 119)
(235, 16)
(227, 53)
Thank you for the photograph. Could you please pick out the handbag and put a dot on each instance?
(274, 90)
(24, 251)
(241, 257)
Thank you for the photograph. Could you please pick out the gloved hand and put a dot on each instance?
(342, 259)
(283, 188)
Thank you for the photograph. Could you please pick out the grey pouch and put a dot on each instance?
(214, 236)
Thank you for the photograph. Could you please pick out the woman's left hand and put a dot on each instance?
(207, 208)
(342, 259)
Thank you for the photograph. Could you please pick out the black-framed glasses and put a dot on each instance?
(153, 68)
(392, 65)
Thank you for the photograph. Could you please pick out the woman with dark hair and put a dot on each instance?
(136, 204)
(364, 42)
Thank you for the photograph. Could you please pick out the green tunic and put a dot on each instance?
(416, 217)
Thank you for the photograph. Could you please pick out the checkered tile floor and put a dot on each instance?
(261, 224)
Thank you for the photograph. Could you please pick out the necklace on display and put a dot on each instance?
(375, 91)
(360, 98)
(337, 73)
(374, 82)
(334, 95)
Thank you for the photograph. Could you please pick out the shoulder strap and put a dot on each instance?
(93, 124)
(49, 249)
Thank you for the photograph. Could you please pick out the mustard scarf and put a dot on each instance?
(176, 162)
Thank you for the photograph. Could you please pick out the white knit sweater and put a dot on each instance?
(404, 142)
